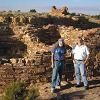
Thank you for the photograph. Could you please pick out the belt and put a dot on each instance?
(78, 60)
(59, 60)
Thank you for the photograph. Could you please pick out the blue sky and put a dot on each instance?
(84, 6)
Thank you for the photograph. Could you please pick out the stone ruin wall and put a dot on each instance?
(38, 34)
(59, 12)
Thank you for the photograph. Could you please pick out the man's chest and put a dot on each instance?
(59, 51)
(80, 49)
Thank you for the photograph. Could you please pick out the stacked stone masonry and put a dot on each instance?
(26, 41)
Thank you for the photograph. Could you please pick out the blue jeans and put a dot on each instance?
(80, 71)
(57, 73)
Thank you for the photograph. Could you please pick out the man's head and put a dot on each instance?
(61, 42)
(80, 40)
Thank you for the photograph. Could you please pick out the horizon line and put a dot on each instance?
(85, 10)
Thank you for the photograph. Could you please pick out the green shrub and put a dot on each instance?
(73, 14)
(96, 16)
(18, 91)
(33, 10)
(15, 91)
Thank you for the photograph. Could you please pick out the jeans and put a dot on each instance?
(80, 71)
(57, 73)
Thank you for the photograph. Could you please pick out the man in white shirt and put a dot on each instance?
(80, 56)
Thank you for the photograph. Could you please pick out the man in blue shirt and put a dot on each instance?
(57, 60)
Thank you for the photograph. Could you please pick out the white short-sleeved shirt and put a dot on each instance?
(80, 52)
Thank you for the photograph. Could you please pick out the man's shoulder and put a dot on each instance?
(85, 46)
(74, 46)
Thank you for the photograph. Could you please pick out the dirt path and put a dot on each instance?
(68, 91)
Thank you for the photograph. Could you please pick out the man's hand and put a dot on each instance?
(74, 61)
(85, 62)
(52, 66)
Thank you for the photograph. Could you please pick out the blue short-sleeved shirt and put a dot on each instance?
(59, 53)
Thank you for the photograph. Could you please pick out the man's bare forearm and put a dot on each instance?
(73, 58)
(52, 60)
(85, 61)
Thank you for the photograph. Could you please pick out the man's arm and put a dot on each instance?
(52, 60)
(86, 59)
(87, 55)
(73, 58)
(72, 53)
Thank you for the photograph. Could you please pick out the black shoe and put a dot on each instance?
(86, 87)
(78, 85)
